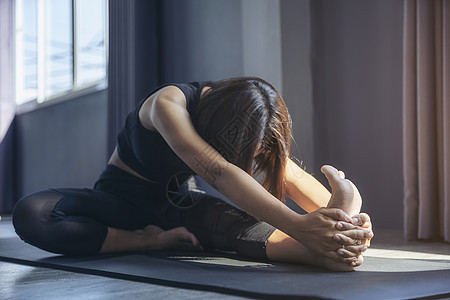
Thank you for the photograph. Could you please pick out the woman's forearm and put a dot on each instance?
(249, 195)
(304, 189)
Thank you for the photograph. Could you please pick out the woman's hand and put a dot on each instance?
(363, 220)
(351, 246)
(321, 233)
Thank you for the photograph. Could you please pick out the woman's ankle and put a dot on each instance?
(119, 240)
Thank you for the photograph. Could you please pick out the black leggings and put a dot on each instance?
(76, 221)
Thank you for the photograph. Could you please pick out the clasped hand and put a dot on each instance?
(332, 233)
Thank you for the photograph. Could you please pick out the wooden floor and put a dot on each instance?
(27, 282)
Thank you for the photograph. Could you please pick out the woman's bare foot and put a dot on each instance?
(344, 193)
(345, 196)
(150, 238)
(174, 239)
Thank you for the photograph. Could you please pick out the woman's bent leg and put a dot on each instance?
(38, 222)
(89, 222)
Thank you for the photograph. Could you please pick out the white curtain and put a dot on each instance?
(6, 66)
(7, 107)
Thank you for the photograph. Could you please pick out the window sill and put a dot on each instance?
(62, 97)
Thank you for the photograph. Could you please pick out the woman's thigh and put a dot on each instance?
(106, 208)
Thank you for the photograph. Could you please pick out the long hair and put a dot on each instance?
(246, 121)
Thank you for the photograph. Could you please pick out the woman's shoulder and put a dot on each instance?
(168, 93)
(185, 94)
(192, 92)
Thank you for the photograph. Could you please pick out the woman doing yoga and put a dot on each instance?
(235, 134)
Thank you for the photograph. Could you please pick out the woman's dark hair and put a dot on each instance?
(246, 120)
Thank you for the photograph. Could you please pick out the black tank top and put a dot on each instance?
(145, 151)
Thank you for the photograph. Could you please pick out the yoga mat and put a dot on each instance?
(379, 278)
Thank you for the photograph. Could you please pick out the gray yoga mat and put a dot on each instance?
(379, 278)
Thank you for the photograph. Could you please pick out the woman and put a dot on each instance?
(233, 133)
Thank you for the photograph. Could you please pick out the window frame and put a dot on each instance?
(76, 90)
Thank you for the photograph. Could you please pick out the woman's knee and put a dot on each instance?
(32, 210)
(38, 221)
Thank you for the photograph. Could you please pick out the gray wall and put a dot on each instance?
(357, 63)
(261, 41)
(202, 40)
(296, 72)
(62, 145)
(336, 63)
(215, 39)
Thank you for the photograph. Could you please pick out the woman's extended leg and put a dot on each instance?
(220, 226)
(223, 227)
(282, 248)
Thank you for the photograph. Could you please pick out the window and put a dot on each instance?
(60, 47)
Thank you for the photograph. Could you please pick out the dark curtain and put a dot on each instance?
(135, 57)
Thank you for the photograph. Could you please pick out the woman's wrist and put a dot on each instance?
(297, 226)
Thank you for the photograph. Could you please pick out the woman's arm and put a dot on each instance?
(304, 189)
(168, 115)
(310, 194)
